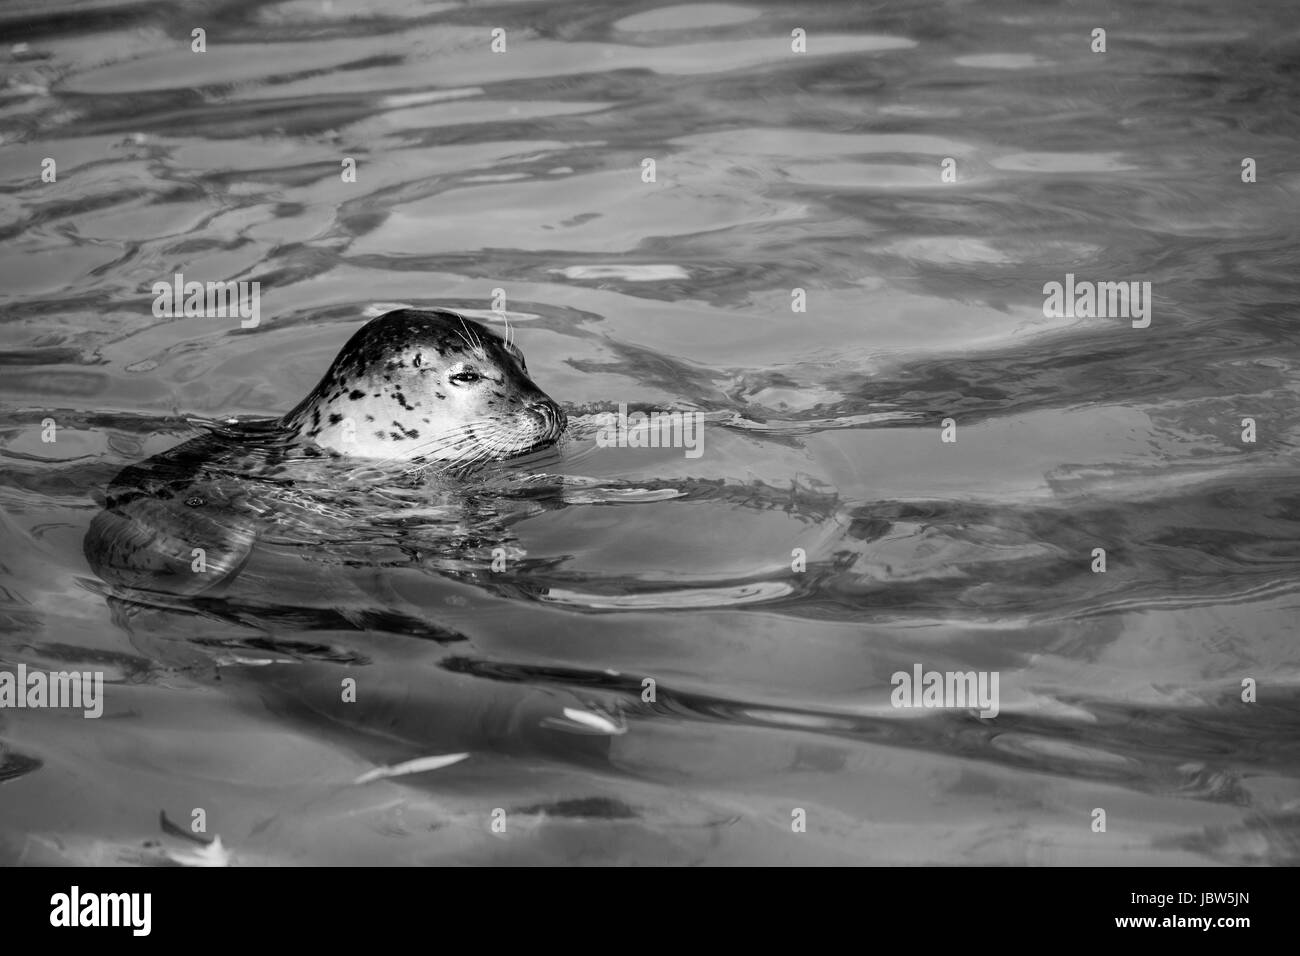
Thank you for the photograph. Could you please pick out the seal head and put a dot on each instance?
(427, 385)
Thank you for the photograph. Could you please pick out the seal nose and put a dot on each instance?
(552, 415)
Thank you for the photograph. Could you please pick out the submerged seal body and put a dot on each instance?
(411, 388)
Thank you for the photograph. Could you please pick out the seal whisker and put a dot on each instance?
(457, 441)
(476, 346)
(452, 441)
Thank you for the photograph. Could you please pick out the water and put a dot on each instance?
(820, 171)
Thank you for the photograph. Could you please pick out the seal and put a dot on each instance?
(427, 385)
(414, 390)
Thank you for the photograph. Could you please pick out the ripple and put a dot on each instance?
(298, 12)
(683, 598)
(603, 496)
(686, 16)
(628, 272)
(14, 765)
(1063, 163)
(1059, 751)
(1001, 61)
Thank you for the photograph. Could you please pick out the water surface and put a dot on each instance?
(775, 171)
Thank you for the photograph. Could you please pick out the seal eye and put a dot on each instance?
(466, 378)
